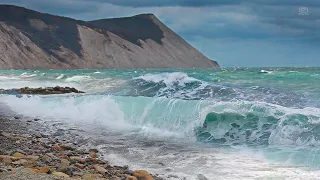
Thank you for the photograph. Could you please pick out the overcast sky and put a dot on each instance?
(236, 33)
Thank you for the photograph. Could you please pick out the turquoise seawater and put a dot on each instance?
(273, 112)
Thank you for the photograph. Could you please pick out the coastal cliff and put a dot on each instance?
(34, 40)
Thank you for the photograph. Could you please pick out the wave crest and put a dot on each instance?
(243, 122)
(260, 124)
(169, 79)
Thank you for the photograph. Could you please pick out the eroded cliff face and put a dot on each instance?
(32, 40)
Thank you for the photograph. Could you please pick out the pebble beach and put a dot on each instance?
(27, 153)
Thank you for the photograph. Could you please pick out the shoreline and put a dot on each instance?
(28, 153)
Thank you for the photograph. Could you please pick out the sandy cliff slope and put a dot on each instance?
(33, 40)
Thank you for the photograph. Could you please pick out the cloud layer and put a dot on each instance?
(289, 25)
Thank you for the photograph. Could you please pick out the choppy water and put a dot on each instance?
(258, 123)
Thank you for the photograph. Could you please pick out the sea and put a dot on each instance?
(228, 123)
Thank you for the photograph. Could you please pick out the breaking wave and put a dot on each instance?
(178, 85)
(272, 112)
(169, 79)
(260, 124)
(229, 123)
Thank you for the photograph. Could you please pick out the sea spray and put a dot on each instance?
(253, 122)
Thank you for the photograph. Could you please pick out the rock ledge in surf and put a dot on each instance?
(42, 91)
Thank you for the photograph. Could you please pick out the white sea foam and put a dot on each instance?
(170, 79)
(266, 72)
(90, 109)
(61, 76)
(78, 78)
(24, 74)
(5, 78)
(27, 75)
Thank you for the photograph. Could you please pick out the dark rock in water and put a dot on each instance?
(123, 177)
(202, 177)
(173, 176)
(11, 92)
(41, 91)
(37, 135)
(160, 163)
(16, 117)
(235, 125)
(128, 172)
(60, 132)
(93, 150)
(36, 119)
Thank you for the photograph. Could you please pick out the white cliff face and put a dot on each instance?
(37, 43)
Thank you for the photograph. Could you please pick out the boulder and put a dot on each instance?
(46, 158)
(20, 162)
(5, 156)
(93, 153)
(19, 139)
(44, 169)
(76, 159)
(57, 148)
(63, 156)
(100, 169)
(30, 164)
(91, 176)
(129, 172)
(65, 147)
(142, 175)
(31, 171)
(80, 166)
(34, 158)
(76, 173)
(131, 178)
(115, 178)
(6, 161)
(64, 164)
(19, 155)
(60, 174)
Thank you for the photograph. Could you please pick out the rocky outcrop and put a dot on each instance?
(33, 40)
(41, 91)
